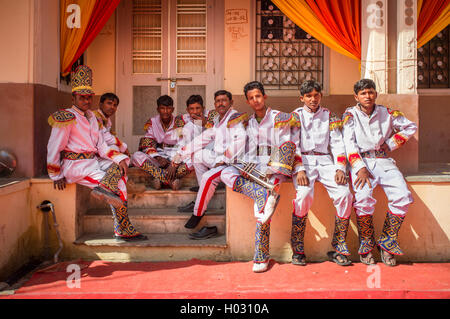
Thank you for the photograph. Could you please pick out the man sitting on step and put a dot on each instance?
(107, 108)
(159, 145)
(209, 163)
(77, 153)
(194, 124)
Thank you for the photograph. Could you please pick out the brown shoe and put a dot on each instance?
(133, 188)
(155, 183)
(175, 184)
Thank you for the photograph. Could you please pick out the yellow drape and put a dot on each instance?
(441, 23)
(302, 15)
(71, 37)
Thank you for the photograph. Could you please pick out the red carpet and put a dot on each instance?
(208, 279)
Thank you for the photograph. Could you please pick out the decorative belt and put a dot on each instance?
(374, 154)
(77, 156)
(263, 150)
(313, 153)
(163, 145)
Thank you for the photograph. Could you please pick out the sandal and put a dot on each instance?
(344, 261)
(299, 259)
(387, 260)
(369, 261)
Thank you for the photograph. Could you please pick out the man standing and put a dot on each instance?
(75, 146)
(370, 132)
(270, 148)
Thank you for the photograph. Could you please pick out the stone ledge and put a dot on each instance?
(153, 212)
(154, 240)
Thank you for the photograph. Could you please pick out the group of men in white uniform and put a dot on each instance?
(309, 144)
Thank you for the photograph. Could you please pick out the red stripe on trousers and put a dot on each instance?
(208, 183)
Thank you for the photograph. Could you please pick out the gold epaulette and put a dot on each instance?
(283, 119)
(346, 116)
(179, 122)
(147, 124)
(395, 113)
(61, 118)
(237, 118)
(335, 122)
(212, 114)
(101, 120)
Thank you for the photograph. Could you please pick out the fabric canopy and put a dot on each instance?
(432, 17)
(81, 21)
(337, 24)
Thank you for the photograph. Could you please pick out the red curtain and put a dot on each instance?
(430, 11)
(342, 19)
(103, 10)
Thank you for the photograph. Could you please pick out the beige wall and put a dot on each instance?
(29, 31)
(18, 228)
(22, 225)
(101, 57)
(424, 235)
(17, 34)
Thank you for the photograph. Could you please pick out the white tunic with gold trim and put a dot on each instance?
(75, 133)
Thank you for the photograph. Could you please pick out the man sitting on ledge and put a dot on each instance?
(370, 132)
(77, 153)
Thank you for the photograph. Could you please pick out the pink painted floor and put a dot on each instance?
(199, 279)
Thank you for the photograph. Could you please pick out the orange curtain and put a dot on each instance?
(334, 23)
(81, 22)
(342, 19)
(433, 17)
(75, 15)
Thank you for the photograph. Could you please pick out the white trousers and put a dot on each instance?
(340, 194)
(208, 177)
(388, 176)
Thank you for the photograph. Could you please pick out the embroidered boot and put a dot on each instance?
(261, 257)
(297, 239)
(366, 237)
(388, 241)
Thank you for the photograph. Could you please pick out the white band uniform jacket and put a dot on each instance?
(319, 132)
(80, 134)
(364, 133)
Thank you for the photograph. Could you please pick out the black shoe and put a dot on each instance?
(193, 221)
(204, 233)
(135, 238)
(194, 189)
(189, 208)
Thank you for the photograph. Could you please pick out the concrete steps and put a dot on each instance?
(154, 213)
(152, 220)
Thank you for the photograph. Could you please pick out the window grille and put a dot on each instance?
(433, 62)
(285, 54)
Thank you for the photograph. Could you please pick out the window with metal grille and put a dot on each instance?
(285, 54)
(433, 62)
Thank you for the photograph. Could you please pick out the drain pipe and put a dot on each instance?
(45, 207)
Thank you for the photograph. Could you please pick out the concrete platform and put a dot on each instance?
(206, 279)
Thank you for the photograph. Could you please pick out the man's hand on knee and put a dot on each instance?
(302, 179)
(123, 167)
(363, 176)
